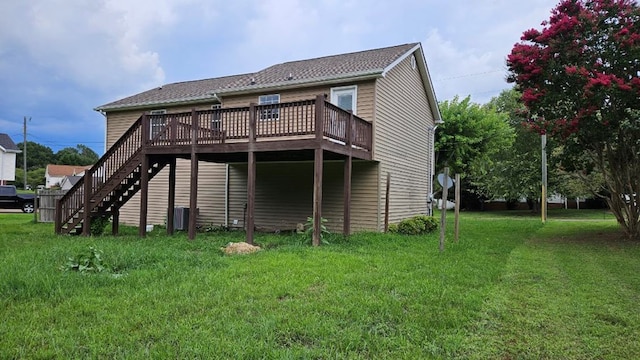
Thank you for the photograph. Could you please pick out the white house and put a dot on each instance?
(56, 173)
(8, 151)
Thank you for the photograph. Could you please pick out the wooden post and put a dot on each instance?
(144, 195)
(251, 175)
(386, 203)
(346, 222)
(317, 196)
(193, 191)
(193, 198)
(443, 214)
(58, 216)
(36, 202)
(319, 128)
(348, 131)
(115, 221)
(145, 130)
(457, 217)
(86, 214)
(171, 201)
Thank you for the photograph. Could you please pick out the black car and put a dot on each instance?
(10, 199)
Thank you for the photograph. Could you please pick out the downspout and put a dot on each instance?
(226, 195)
(433, 169)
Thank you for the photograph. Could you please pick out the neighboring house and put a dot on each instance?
(68, 181)
(8, 151)
(54, 174)
(299, 159)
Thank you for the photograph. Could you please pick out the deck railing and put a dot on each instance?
(314, 119)
(281, 120)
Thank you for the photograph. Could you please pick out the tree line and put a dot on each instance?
(39, 156)
(577, 81)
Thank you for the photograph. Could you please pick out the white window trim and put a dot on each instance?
(156, 125)
(336, 90)
(269, 115)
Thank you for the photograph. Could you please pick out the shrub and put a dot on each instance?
(98, 223)
(430, 223)
(308, 232)
(420, 224)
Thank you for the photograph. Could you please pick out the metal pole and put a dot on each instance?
(24, 151)
(543, 198)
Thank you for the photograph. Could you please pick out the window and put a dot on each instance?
(413, 62)
(157, 122)
(216, 117)
(270, 112)
(345, 97)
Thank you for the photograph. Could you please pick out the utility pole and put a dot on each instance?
(24, 151)
(543, 198)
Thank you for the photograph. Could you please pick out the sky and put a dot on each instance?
(60, 59)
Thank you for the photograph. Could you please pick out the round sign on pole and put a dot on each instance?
(441, 178)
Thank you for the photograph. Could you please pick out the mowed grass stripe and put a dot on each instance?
(570, 292)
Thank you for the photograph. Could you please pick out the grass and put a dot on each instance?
(511, 288)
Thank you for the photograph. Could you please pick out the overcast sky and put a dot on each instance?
(59, 59)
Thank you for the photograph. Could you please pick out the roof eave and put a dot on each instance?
(151, 104)
(293, 84)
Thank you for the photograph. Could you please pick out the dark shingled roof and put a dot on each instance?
(8, 144)
(294, 73)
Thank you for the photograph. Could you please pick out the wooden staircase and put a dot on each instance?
(109, 184)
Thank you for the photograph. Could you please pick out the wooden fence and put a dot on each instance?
(46, 204)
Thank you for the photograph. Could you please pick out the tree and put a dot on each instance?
(469, 139)
(515, 172)
(579, 77)
(80, 155)
(35, 177)
(38, 156)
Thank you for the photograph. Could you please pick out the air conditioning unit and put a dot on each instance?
(180, 218)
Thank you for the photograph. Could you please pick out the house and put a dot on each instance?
(321, 138)
(68, 181)
(8, 151)
(54, 174)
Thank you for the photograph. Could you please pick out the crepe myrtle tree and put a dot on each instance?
(580, 80)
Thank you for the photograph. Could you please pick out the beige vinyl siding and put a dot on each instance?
(365, 97)
(277, 206)
(211, 181)
(284, 195)
(402, 140)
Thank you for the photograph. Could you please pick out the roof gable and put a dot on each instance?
(356, 65)
(7, 145)
(65, 170)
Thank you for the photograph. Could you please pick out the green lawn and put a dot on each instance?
(511, 288)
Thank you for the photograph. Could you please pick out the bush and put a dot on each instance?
(430, 223)
(419, 224)
(98, 223)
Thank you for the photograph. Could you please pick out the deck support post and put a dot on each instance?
(251, 175)
(193, 197)
(251, 196)
(317, 197)
(86, 214)
(346, 225)
(115, 221)
(193, 191)
(144, 195)
(171, 201)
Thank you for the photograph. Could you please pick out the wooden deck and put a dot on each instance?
(303, 130)
(230, 133)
